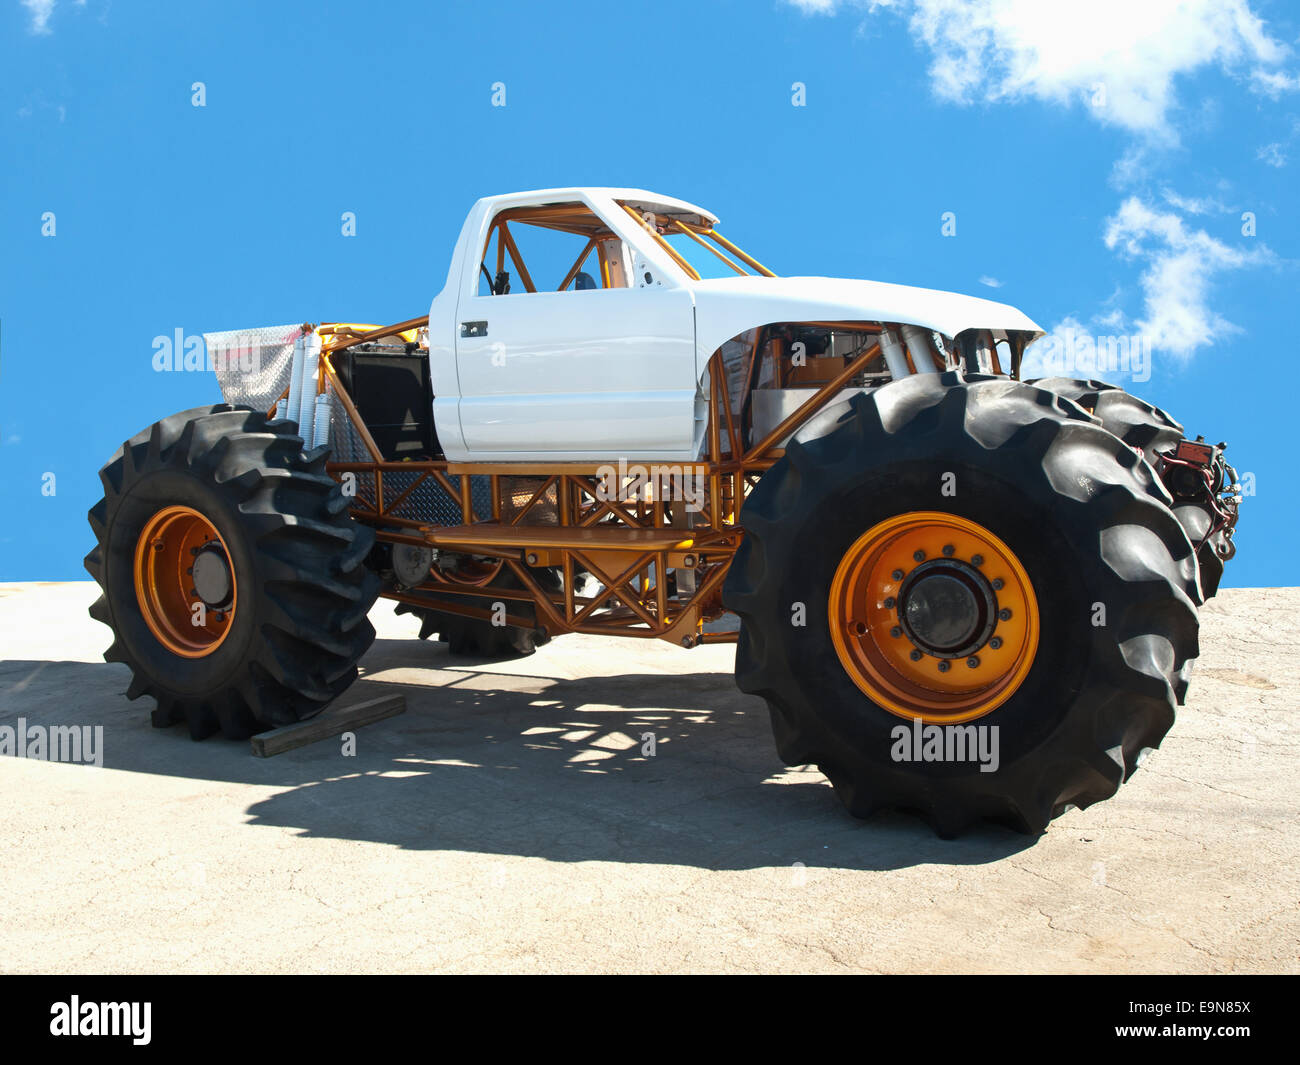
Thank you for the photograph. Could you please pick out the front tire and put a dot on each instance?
(233, 578)
(1141, 425)
(1052, 497)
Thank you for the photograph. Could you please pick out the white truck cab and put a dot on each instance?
(578, 323)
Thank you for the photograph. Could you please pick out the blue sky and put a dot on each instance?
(1098, 159)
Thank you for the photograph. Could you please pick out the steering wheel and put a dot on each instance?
(491, 288)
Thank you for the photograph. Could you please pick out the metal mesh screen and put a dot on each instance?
(252, 365)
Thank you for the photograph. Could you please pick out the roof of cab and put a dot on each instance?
(636, 197)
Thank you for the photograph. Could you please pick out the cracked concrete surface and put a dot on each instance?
(509, 821)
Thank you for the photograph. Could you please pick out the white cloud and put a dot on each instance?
(1114, 320)
(1194, 204)
(1272, 154)
(1179, 265)
(992, 282)
(1274, 83)
(1120, 58)
(36, 104)
(40, 10)
(1133, 166)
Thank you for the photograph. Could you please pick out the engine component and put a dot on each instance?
(920, 343)
(895, 358)
(304, 413)
(320, 432)
(411, 564)
(391, 388)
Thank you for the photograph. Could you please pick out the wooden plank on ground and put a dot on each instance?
(332, 721)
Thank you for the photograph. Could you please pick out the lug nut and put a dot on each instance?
(915, 655)
(977, 560)
(944, 666)
(996, 642)
(973, 662)
(897, 574)
(889, 602)
(1004, 614)
(896, 632)
(919, 556)
(997, 584)
(948, 550)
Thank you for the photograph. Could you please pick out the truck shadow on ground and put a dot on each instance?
(522, 764)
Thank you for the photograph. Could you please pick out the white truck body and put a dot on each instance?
(583, 375)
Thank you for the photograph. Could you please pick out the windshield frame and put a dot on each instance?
(667, 224)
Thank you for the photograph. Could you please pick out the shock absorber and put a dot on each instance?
(305, 413)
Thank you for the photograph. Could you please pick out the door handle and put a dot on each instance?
(473, 329)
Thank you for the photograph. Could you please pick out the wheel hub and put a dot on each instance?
(933, 617)
(211, 573)
(947, 608)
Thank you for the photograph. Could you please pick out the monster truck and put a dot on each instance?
(615, 421)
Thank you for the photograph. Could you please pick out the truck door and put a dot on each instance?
(571, 362)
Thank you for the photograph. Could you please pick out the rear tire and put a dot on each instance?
(476, 637)
(1075, 508)
(287, 639)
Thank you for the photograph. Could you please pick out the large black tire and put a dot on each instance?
(1136, 422)
(298, 625)
(1089, 523)
(1141, 425)
(476, 637)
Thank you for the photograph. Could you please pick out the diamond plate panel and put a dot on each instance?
(252, 365)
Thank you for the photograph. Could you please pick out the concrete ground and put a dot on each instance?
(508, 821)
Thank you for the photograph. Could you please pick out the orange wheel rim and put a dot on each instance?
(934, 617)
(184, 582)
